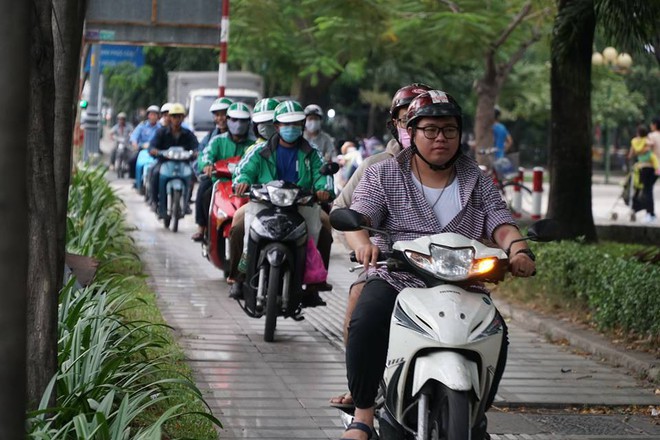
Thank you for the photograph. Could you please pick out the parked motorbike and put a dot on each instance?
(173, 185)
(444, 339)
(276, 252)
(224, 204)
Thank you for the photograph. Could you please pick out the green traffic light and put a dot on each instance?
(83, 103)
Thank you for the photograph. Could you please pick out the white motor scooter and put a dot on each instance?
(444, 339)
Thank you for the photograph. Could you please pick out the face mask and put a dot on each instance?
(313, 125)
(238, 127)
(266, 130)
(404, 137)
(290, 133)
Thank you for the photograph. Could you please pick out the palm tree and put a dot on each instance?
(630, 24)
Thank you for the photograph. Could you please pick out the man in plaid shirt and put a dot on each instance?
(430, 187)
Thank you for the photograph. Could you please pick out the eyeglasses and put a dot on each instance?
(401, 122)
(431, 131)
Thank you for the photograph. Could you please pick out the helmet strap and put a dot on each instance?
(433, 166)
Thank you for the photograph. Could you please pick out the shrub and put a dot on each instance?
(118, 375)
(620, 291)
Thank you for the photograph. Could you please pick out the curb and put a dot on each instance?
(642, 364)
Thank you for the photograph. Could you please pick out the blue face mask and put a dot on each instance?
(290, 133)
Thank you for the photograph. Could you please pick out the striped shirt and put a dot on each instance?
(388, 196)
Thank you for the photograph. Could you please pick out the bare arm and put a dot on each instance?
(521, 264)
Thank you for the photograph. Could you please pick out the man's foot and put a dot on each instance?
(188, 210)
(312, 299)
(236, 291)
(343, 401)
(198, 236)
(358, 430)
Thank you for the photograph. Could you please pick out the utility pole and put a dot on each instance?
(91, 123)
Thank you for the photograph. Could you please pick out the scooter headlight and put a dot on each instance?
(282, 196)
(231, 167)
(451, 264)
(178, 154)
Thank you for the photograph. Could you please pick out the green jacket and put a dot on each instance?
(259, 165)
(222, 147)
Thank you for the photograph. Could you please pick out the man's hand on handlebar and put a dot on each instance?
(367, 254)
(241, 188)
(153, 152)
(322, 196)
(208, 170)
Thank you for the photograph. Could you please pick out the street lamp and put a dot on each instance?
(617, 63)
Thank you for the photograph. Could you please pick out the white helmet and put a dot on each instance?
(166, 107)
(314, 109)
(220, 104)
(239, 110)
(153, 108)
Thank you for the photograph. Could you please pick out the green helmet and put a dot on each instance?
(220, 104)
(238, 110)
(264, 110)
(289, 111)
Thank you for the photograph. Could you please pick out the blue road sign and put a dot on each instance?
(113, 54)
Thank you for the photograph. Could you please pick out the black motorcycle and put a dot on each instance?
(276, 253)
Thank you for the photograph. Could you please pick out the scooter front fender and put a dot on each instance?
(447, 367)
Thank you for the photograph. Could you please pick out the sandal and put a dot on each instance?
(346, 402)
(360, 426)
(197, 236)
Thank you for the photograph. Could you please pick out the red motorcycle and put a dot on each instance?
(224, 204)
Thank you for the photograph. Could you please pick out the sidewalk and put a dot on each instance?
(280, 390)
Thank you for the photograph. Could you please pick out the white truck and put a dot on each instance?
(197, 90)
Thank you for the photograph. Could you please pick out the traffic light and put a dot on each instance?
(83, 103)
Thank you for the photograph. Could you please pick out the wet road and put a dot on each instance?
(280, 390)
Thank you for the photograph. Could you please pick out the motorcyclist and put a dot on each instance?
(285, 156)
(438, 190)
(165, 114)
(172, 135)
(400, 140)
(230, 144)
(219, 110)
(263, 129)
(317, 137)
(119, 132)
(143, 133)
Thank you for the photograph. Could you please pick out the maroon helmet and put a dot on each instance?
(434, 103)
(405, 94)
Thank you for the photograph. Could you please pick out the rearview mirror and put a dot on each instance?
(344, 219)
(329, 168)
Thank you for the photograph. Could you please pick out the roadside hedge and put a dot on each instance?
(620, 291)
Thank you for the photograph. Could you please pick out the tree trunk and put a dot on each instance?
(55, 48)
(44, 274)
(487, 92)
(13, 221)
(318, 94)
(570, 141)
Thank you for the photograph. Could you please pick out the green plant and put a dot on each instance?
(619, 290)
(119, 374)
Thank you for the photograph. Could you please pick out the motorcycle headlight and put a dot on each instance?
(282, 197)
(451, 264)
(231, 167)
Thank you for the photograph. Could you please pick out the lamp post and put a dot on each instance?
(617, 63)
